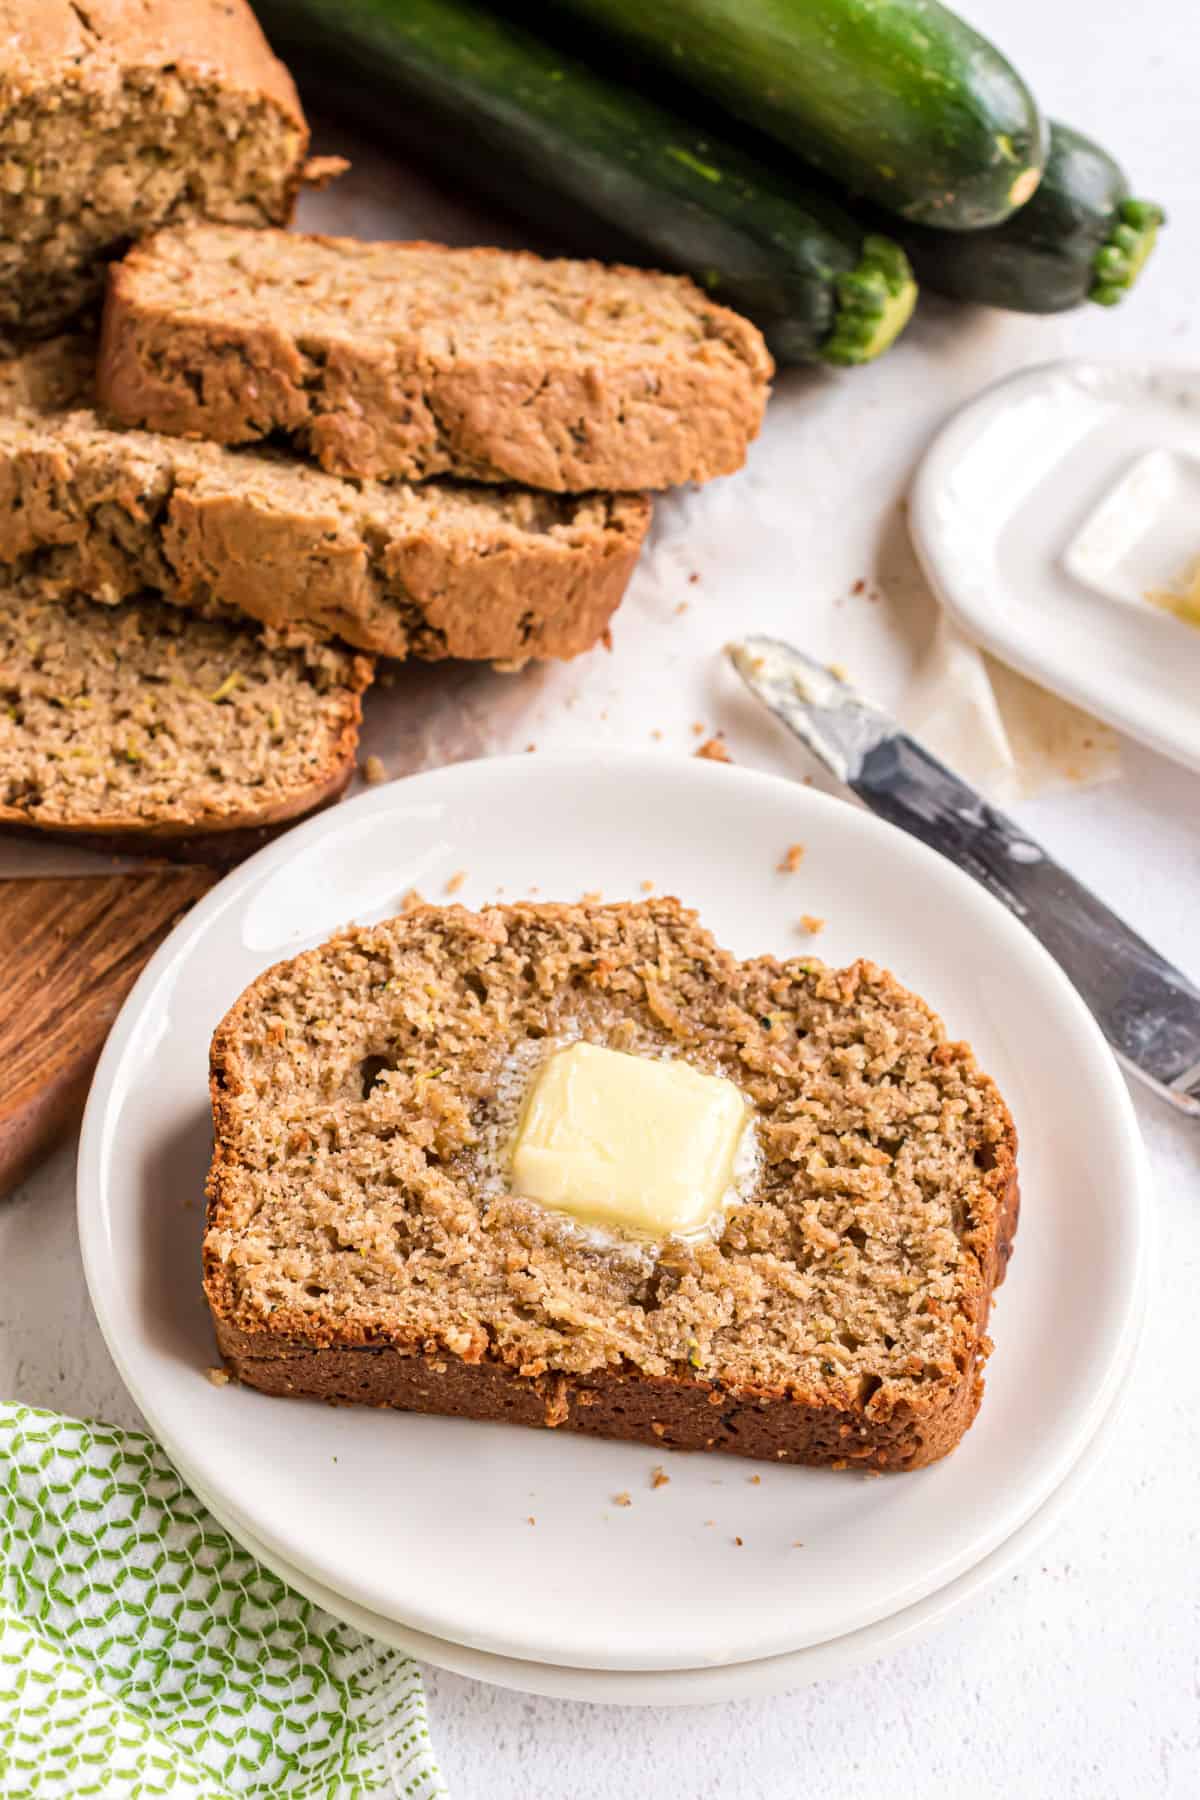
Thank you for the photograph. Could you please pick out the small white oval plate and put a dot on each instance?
(1045, 512)
(427, 1520)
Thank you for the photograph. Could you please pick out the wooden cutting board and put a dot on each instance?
(71, 948)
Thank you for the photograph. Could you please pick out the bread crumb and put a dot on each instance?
(714, 751)
(319, 171)
(411, 900)
(754, 1480)
(374, 771)
(659, 1477)
(694, 577)
(810, 923)
(530, 747)
(622, 1499)
(535, 889)
(219, 1377)
(839, 669)
(682, 607)
(657, 1429)
(697, 728)
(792, 857)
(860, 586)
(738, 1542)
(531, 1520)
(647, 887)
(797, 1544)
(456, 880)
(591, 897)
(657, 736)
(710, 1521)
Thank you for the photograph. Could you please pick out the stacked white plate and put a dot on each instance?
(505, 1554)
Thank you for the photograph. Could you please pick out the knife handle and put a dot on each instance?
(1148, 1010)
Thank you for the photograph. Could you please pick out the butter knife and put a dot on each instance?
(1148, 1011)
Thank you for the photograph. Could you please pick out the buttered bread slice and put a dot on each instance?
(423, 1192)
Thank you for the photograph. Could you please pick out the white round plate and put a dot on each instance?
(730, 1681)
(427, 1520)
(1048, 509)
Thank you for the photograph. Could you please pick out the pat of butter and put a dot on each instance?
(1183, 601)
(626, 1141)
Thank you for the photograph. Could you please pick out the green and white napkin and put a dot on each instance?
(144, 1653)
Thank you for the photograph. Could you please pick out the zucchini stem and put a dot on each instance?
(874, 304)
(1120, 258)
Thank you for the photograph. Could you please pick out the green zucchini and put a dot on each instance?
(599, 169)
(1081, 237)
(896, 100)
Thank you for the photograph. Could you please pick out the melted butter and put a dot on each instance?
(629, 1143)
(1183, 601)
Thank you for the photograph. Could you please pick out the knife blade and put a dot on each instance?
(1148, 1010)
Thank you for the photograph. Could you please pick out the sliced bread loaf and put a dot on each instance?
(363, 1242)
(120, 116)
(410, 360)
(442, 569)
(140, 727)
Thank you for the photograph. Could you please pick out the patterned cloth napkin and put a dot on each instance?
(142, 1652)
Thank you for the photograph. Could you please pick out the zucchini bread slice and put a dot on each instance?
(137, 727)
(119, 116)
(363, 1243)
(444, 569)
(409, 360)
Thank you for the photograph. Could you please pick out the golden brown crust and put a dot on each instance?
(438, 571)
(880, 1424)
(178, 355)
(212, 839)
(209, 847)
(429, 591)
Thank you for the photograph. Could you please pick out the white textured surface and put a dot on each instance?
(1080, 1676)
